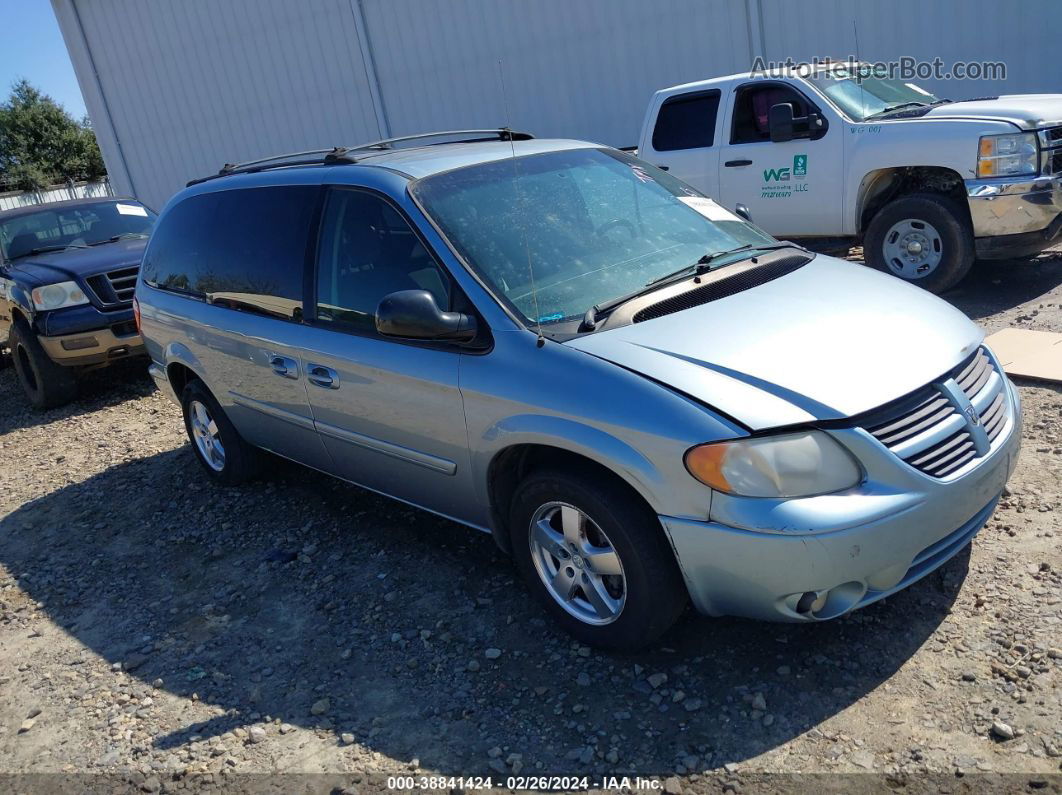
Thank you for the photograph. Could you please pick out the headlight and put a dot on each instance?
(1008, 155)
(789, 465)
(57, 296)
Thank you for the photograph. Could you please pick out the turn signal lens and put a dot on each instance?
(1009, 155)
(788, 465)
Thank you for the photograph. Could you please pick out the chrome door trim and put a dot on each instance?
(272, 411)
(434, 463)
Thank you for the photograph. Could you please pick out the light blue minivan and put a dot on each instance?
(645, 399)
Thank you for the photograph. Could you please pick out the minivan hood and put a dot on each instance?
(1027, 111)
(830, 340)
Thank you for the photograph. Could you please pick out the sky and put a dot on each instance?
(33, 48)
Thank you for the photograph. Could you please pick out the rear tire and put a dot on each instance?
(226, 458)
(925, 239)
(46, 384)
(571, 532)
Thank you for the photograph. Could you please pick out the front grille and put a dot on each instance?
(1051, 143)
(116, 287)
(945, 425)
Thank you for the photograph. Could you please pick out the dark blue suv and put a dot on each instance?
(67, 276)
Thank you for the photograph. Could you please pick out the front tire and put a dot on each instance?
(226, 458)
(46, 384)
(597, 558)
(925, 239)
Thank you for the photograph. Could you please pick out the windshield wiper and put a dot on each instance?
(46, 249)
(901, 106)
(598, 311)
(116, 238)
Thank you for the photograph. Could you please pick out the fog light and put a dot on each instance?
(79, 343)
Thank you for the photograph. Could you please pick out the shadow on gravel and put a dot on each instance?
(97, 389)
(996, 286)
(308, 600)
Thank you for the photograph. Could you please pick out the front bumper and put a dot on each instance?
(85, 336)
(1015, 217)
(91, 348)
(851, 549)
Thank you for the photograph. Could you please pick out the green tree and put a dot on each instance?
(41, 144)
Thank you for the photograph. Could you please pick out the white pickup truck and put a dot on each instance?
(925, 184)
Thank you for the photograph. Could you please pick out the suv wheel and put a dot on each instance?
(222, 452)
(597, 558)
(924, 238)
(45, 383)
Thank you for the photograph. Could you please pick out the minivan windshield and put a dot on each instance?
(864, 97)
(73, 226)
(558, 232)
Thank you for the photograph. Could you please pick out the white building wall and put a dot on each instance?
(176, 89)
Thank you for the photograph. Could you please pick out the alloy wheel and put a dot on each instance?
(207, 436)
(577, 563)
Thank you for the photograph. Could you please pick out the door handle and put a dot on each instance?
(322, 376)
(284, 366)
(663, 167)
(732, 163)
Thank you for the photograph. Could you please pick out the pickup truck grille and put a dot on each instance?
(946, 425)
(115, 288)
(1051, 144)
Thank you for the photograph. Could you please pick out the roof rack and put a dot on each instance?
(347, 154)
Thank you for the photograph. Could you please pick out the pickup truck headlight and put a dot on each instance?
(788, 465)
(58, 296)
(1008, 155)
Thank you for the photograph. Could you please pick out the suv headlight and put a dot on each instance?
(1008, 155)
(57, 296)
(788, 465)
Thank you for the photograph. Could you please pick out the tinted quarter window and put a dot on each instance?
(368, 250)
(244, 249)
(686, 121)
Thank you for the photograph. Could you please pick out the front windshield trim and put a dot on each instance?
(547, 324)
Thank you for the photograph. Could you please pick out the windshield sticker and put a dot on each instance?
(783, 182)
(708, 208)
(551, 318)
(131, 209)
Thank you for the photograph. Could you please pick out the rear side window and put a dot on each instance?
(686, 121)
(244, 249)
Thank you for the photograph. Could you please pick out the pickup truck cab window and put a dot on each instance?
(752, 105)
(686, 121)
(367, 250)
(80, 226)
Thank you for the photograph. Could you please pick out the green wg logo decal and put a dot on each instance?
(781, 183)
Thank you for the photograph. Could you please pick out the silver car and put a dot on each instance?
(645, 399)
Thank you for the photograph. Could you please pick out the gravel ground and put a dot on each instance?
(160, 633)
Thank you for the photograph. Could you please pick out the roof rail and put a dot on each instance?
(347, 154)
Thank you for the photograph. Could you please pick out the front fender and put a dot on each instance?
(571, 436)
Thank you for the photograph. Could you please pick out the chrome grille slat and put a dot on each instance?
(931, 433)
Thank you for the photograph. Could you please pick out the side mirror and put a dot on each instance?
(780, 122)
(413, 314)
(741, 211)
(817, 125)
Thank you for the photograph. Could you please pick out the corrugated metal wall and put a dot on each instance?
(177, 89)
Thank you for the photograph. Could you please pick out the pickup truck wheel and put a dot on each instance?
(924, 239)
(46, 384)
(218, 447)
(597, 558)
